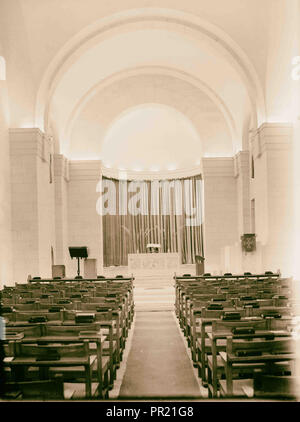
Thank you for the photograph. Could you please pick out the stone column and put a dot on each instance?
(249, 261)
(220, 211)
(32, 198)
(61, 179)
(272, 189)
(84, 223)
(242, 174)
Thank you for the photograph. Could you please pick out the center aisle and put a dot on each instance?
(158, 365)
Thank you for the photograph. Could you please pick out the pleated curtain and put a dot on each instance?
(167, 212)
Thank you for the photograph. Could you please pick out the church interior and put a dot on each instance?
(149, 200)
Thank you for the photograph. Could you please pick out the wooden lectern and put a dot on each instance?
(199, 264)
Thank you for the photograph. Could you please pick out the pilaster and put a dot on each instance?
(220, 209)
(242, 174)
(271, 147)
(84, 222)
(61, 179)
(32, 192)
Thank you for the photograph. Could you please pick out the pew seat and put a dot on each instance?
(70, 358)
(52, 389)
(272, 357)
(240, 387)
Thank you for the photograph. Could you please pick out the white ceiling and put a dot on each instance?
(75, 66)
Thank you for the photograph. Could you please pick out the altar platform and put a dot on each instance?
(151, 272)
(153, 263)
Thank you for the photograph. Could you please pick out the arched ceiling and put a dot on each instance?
(204, 54)
(136, 48)
(93, 118)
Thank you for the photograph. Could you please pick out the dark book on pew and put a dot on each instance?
(243, 330)
(215, 306)
(245, 353)
(247, 298)
(7, 309)
(84, 317)
(231, 316)
(38, 319)
(55, 309)
(271, 314)
(251, 305)
(269, 336)
(64, 301)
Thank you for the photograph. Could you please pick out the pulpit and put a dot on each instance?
(199, 264)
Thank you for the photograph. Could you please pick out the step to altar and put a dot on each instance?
(154, 299)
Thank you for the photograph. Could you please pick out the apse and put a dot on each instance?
(151, 137)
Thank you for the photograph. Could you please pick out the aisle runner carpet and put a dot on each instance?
(158, 365)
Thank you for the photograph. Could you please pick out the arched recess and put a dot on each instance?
(183, 23)
(161, 146)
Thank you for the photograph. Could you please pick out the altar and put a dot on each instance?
(153, 263)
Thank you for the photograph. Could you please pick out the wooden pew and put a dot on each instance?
(249, 354)
(47, 299)
(223, 329)
(52, 389)
(47, 334)
(204, 320)
(71, 355)
(274, 387)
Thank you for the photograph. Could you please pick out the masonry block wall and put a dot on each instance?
(84, 223)
(6, 276)
(272, 189)
(234, 259)
(32, 200)
(53, 206)
(220, 210)
(46, 209)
